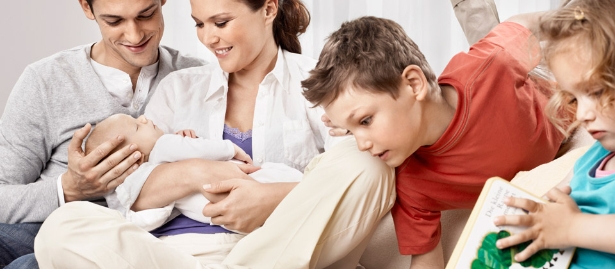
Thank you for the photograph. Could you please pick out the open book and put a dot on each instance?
(476, 246)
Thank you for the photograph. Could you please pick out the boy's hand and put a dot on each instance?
(187, 133)
(544, 222)
(241, 155)
(335, 131)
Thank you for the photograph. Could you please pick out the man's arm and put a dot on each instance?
(28, 191)
(476, 17)
(32, 158)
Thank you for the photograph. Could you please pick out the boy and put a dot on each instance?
(157, 147)
(483, 117)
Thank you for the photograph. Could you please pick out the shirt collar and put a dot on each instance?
(219, 79)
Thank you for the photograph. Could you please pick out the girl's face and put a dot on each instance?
(570, 68)
(233, 32)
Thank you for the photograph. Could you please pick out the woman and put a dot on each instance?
(254, 97)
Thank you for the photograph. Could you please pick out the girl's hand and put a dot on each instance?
(241, 155)
(187, 133)
(548, 224)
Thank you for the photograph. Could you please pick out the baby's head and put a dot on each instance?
(580, 52)
(368, 76)
(140, 131)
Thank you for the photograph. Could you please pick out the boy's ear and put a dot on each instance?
(415, 81)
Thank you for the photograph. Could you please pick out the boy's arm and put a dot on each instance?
(528, 20)
(476, 17)
(429, 260)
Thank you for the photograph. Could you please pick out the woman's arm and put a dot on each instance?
(248, 204)
(171, 181)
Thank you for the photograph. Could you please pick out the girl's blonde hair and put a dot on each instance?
(581, 25)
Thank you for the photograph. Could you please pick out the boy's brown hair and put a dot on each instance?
(587, 24)
(368, 53)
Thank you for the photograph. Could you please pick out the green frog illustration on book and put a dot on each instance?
(489, 256)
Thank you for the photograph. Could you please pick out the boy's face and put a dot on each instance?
(386, 127)
(570, 70)
(131, 30)
(140, 131)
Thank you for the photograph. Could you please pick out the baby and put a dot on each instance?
(157, 147)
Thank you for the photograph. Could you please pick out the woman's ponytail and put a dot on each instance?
(292, 20)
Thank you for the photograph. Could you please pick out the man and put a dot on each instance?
(41, 167)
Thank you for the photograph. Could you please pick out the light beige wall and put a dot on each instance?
(32, 29)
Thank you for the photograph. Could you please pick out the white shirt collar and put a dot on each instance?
(219, 80)
(119, 85)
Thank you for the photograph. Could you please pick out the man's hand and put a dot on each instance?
(247, 205)
(96, 174)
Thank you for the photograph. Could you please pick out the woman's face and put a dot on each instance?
(233, 32)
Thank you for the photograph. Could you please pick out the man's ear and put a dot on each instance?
(162, 2)
(415, 81)
(87, 10)
(271, 10)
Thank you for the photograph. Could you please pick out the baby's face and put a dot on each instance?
(140, 131)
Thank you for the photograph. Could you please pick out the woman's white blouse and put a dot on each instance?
(286, 129)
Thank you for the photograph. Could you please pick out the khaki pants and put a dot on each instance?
(476, 17)
(325, 221)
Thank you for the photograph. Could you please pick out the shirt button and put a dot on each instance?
(135, 106)
(260, 160)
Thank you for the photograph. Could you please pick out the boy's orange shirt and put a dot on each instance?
(499, 129)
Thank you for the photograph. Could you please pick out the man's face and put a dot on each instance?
(131, 31)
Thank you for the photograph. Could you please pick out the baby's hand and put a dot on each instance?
(544, 223)
(241, 155)
(187, 133)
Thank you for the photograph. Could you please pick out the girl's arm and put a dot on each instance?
(559, 224)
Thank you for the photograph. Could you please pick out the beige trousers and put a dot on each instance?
(325, 221)
(476, 17)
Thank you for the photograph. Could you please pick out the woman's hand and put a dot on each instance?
(97, 173)
(248, 204)
(544, 222)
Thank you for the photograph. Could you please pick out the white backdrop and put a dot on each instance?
(33, 29)
(430, 23)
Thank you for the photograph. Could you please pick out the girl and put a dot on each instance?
(580, 52)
